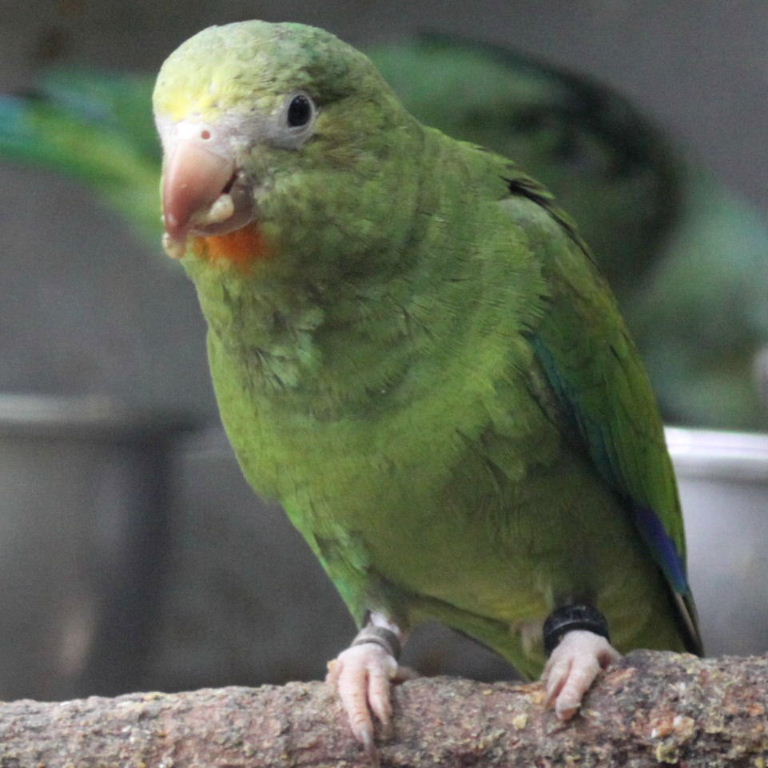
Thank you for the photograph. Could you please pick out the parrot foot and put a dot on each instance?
(572, 668)
(363, 675)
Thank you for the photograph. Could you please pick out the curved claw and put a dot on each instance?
(573, 667)
(363, 676)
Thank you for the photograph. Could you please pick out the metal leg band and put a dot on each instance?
(380, 636)
(570, 617)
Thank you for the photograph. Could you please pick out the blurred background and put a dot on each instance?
(132, 554)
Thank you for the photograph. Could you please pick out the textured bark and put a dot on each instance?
(651, 709)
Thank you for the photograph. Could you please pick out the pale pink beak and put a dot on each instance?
(194, 178)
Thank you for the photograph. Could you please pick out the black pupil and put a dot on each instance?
(299, 111)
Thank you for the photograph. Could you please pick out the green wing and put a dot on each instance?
(604, 393)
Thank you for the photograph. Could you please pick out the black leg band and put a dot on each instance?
(570, 617)
(385, 638)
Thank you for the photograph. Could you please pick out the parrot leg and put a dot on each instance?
(577, 641)
(362, 676)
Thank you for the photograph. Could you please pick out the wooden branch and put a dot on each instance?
(651, 709)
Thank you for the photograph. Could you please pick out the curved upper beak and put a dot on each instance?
(194, 178)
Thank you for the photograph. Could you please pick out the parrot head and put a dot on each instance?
(265, 126)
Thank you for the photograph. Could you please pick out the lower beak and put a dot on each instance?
(194, 179)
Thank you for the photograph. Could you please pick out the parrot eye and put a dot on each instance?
(294, 121)
(300, 110)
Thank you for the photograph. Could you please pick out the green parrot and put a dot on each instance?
(413, 351)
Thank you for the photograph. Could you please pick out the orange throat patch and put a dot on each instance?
(242, 248)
